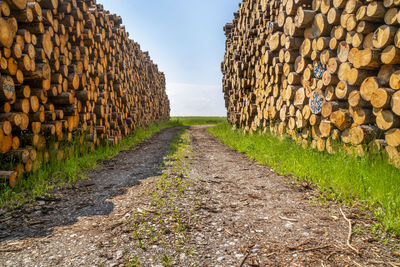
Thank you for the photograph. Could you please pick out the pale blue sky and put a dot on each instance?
(186, 40)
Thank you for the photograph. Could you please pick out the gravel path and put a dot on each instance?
(211, 206)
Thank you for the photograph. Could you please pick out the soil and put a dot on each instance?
(221, 209)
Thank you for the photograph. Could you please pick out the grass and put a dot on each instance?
(61, 173)
(370, 180)
(189, 121)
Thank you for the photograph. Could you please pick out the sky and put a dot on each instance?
(185, 39)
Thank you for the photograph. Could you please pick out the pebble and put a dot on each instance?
(119, 254)
(239, 256)
(289, 225)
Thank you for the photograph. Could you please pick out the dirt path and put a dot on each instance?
(271, 222)
(211, 207)
(60, 226)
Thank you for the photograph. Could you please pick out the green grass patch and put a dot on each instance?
(189, 121)
(61, 173)
(369, 180)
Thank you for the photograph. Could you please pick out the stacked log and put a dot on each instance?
(326, 72)
(68, 71)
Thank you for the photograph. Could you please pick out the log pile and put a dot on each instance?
(69, 71)
(326, 72)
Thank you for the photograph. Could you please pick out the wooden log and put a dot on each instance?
(5, 143)
(7, 88)
(375, 12)
(363, 134)
(368, 59)
(392, 137)
(316, 102)
(352, 6)
(383, 36)
(368, 86)
(320, 26)
(390, 55)
(381, 97)
(358, 76)
(343, 90)
(17, 4)
(362, 115)
(10, 176)
(386, 120)
(341, 119)
(6, 127)
(393, 155)
(344, 71)
(365, 27)
(325, 128)
(384, 74)
(395, 80)
(329, 107)
(6, 33)
(304, 18)
(395, 103)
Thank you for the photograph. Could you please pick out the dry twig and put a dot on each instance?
(299, 244)
(270, 254)
(348, 241)
(314, 248)
(288, 219)
(3, 250)
(391, 263)
(330, 255)
(244, 259)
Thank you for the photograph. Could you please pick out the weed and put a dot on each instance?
(359, 230)
(166, 261)
(137, 235)
(133, 261)
(189, 251)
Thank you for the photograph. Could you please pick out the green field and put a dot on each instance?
(369, 180)
(195, 120)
